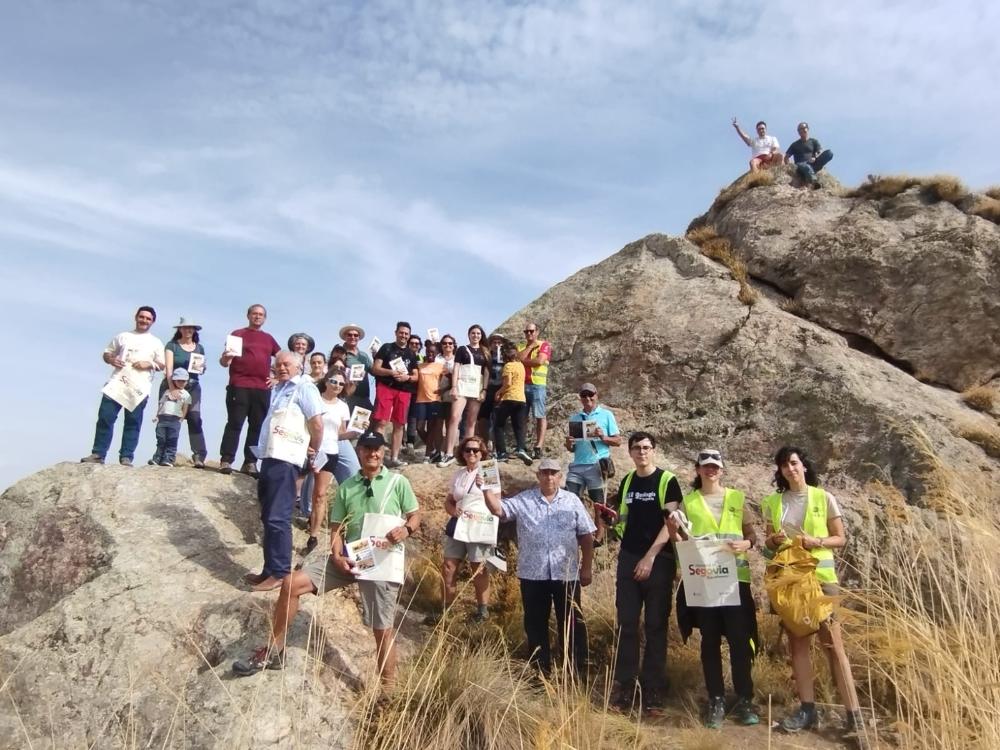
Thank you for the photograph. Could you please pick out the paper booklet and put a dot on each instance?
(398, 365)
(357, 373)
(362, 553)
(234, 345)
(583, 430)
(489, 470)
(374, 346)
(359, 419)
(433, 334)
(196, 364)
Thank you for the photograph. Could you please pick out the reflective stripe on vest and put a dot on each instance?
(729, 528)
(661, 494)
(814, 524)
(538, 375)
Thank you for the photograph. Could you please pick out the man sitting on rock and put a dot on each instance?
(764, 149)
(808, 155)
(372, 490)
(136, 354)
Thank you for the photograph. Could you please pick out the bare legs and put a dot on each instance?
(833, 645)
(323, 480)
(480, 582)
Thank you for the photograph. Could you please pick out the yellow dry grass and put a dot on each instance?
(936, 187)
(988, 208)
(993, 192)
(981, 397)
(985, 436)
(747, 182)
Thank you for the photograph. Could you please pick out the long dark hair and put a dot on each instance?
(483, 341)
(781, 458)
(177, 334)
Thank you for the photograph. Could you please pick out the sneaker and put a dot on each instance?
(801, 719)
(856, 730)
(125, 461)
(225, 467)
(436, 457)
(311, 544)
(652, 700)
(393, 463)
(198, 463)
(428, 458)
(505, 457)
(745, 713)
(481, 615)
(93, 458)
(446, 461)
(261, 659)
(167, 464)
(250, 470)
(151, 462)
(621, 697)
(716, 713)
(523, 455)
(537, 453)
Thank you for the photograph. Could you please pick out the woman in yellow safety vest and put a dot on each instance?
(716, 512)
(800, 509)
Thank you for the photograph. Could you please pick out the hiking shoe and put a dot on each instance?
(481, 615)
(621, 697)
(745, 713)
(259, 660)
(856, 730)
(652, 700)
(716, 713)
(125, 461)
(311, 544)
(198, 463)
(250, 470)
(505, 457)
(801, 719)
(151, 462)
(225, 467)
(523, 455)
(446, 461)
(93, 458)
(167, 464)
(537, 453)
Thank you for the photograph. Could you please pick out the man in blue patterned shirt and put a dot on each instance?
(555, 551)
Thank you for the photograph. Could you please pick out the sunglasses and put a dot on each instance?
(706, 455)
(336, 382)
(369, 492)
(447, 343)
(587, 394)
(470, 449)
(531, 330)
(351, 335)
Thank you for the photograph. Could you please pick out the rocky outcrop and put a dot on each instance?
(913, 275)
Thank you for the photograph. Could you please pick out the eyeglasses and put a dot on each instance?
(587, 394)
(642, 448)
(470, 449)
(352, 335)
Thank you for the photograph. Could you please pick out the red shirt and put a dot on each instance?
(254, 367)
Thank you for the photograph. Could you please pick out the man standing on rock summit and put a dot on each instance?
(535, 354)
(808, 155)
(134, 355)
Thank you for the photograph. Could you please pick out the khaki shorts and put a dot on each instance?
(378, 598)
(471, 551)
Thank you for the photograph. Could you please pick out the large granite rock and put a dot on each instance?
(915, 276)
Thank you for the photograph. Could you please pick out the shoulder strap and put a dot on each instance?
(389, 485)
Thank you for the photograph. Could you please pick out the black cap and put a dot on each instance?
(372, 440)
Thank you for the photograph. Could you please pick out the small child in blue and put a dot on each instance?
(172, 410)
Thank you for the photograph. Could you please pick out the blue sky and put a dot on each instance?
(443, 162)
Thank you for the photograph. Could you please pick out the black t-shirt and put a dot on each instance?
(645, 517)
(389, 352)
(466, 355)
(803, 150)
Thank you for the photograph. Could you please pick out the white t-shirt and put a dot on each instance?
(137, 347)
(764, 145)
(464, 483)
(448, 363)
(335, 416)
(794, 511)
(715, 503)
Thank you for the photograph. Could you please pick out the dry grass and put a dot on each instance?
(747, 182)
(981, 397)
(986, 437)
(720, 249)
(936, 187)
(988, 208)
(993, 192)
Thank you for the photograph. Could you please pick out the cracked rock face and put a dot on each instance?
(658, 329)
(121, 613)
(918, 279)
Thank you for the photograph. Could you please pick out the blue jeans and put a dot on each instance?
(808, 171)
(107, 415)
(168, 431)
(276, 494)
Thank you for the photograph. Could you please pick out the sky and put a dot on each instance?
(441, 162)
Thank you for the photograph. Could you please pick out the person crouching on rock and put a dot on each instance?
(801, 509)
(374, 491)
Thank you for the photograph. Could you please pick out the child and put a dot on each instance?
(172, 410)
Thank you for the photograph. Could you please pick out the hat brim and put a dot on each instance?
(195, 326)
(711, 462)
(359, 329)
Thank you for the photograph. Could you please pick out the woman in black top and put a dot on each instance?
(468, 405)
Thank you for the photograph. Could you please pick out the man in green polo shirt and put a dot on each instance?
(374, 489)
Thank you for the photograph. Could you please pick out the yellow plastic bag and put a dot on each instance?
(795, 592)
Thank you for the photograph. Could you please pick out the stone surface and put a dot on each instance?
(916, 278)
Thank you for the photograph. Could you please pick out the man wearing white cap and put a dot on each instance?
(552, 525)
(352, 335)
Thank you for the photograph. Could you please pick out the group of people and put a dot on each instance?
(303, 429)
(805, 152)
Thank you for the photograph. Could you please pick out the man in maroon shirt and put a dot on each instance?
(247, 395)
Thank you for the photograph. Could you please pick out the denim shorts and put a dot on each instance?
(535, 395)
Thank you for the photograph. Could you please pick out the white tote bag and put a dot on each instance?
(475, 522)
(708, 571)
(287, 434)
(470, 378)
(128, 387)
(389, 559)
